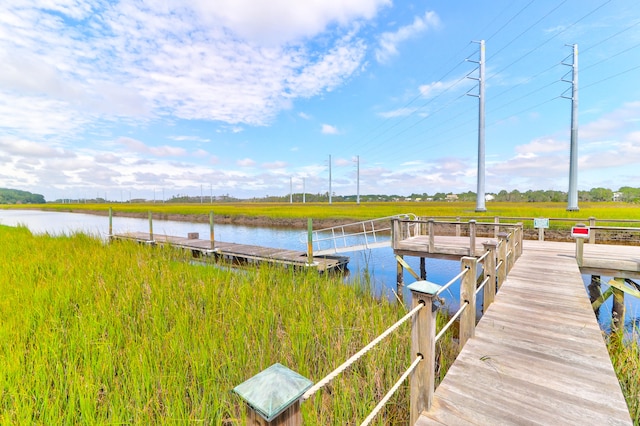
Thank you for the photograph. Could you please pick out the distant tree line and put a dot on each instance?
(624, 194)
(15, 196)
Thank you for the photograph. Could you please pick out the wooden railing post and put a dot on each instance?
(458, 233)
(273, 396)
(489, 268)
(309, 241)
(496, 229)
(468, 294)
(211, 233)
(432, 241)
(423, 343)
(511, 253)
(502, 257)
(150, 226)
(110, 222)
(395, 232)
(592, 234)
(472, 237)
(520, 228)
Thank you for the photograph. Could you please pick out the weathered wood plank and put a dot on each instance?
(538, 356)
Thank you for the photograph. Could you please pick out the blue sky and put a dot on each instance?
(244, 97)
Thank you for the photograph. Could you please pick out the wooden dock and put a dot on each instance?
(538, 355)
(240, 253)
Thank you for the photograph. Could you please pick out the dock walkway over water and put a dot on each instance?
(538, 355)
(242, 253)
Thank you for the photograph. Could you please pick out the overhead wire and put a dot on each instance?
(374, 148)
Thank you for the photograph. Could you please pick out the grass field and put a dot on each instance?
(601, 210)
(121, 333)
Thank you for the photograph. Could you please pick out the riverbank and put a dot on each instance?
(300, 223)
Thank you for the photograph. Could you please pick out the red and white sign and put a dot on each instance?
(580, 232)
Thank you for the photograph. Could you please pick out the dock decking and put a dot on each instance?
(538, 355)
(241, 252)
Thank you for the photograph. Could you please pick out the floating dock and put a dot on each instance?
(240, 253)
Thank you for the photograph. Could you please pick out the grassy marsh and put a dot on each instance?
(369, 210)
(121, 333)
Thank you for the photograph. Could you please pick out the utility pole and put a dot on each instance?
(358, 179)
(304, 191)
(480, 193)
(572, 201)
(290, 190)
(329, 178)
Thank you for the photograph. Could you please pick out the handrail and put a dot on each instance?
(329, 377)
(497, 261)
(453, 280)
(452, 320)
(338, 236)
(393, 390)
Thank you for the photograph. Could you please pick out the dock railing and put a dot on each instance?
(363, 235)
(404, 229)
(277, 408)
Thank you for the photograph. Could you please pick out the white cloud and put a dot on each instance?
(282, 21)
(400, 112)
(275, 165)
(328, 129)
(193, 60)
(246, 162)
(389, 41)
(304, 116)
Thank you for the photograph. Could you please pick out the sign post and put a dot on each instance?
(541, 224)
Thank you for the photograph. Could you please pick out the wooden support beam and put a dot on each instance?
(403, 263)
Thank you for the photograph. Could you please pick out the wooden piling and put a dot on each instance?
(150, 227)
(399, 276)
(211, 233)
(110, 222)
(310, 241)
(423, 268)
(618, 310)
(594, 292)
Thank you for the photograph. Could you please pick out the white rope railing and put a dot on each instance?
(393, 390)
(452, 320)
(322, 383)
(482, 284)
(483, 257)
(453, 280)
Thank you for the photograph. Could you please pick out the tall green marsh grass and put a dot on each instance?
(625, 356)
(122, 333)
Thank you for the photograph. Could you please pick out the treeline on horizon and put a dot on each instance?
(624, 194)
(15, 196)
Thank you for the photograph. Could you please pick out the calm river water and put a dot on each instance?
(379, 263)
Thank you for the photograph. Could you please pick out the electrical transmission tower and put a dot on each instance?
(480, 193)
(572, 202)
